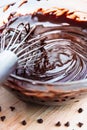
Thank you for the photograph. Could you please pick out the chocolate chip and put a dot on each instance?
(56, 100)
(23, 122)
(80, 124)
(66, 97)
(40, 120)
(76, 101)
(12, 108)
(72, 98)
(67, 124)
(80, 110)
(3, 118)
(63, 100)
(58, 123)
(0, 109)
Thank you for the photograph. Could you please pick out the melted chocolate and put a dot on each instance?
(64, 55)
(8, 6)
(23, 2)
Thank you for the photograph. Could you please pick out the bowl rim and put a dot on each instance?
(59, 83)
(82, 81)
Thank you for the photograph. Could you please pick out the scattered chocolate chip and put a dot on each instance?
(0, 109)
(76, 101)
(72, 98)
(12, 108)
(58, 123)
(40, 120)
(63, 100)
(67, 124)
(56, 100)
(80, 124)
(66, 97)
(80, 110)
(23, 122)
(3, 118)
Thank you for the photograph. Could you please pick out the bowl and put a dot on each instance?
(64, 77)
(60, 73)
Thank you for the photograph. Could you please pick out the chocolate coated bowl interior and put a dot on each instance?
(60, 72)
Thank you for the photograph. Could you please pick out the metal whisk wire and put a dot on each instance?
(14, 44)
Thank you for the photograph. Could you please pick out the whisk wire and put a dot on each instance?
(30, 45)
(20, 48)
(27, 53)
(30, 57)
(10, 42)
(22, 42)
(2, 42)
(14, 43)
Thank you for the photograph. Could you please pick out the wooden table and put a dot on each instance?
(50, 114)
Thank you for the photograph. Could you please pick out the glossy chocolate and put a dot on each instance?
(64, 56)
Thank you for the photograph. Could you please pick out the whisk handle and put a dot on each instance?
(8, 61)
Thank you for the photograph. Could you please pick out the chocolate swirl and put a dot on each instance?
(64, 55)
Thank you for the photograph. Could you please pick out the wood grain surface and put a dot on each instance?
(31, 112)
(50, 114)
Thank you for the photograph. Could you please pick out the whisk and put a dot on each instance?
(17, 47)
